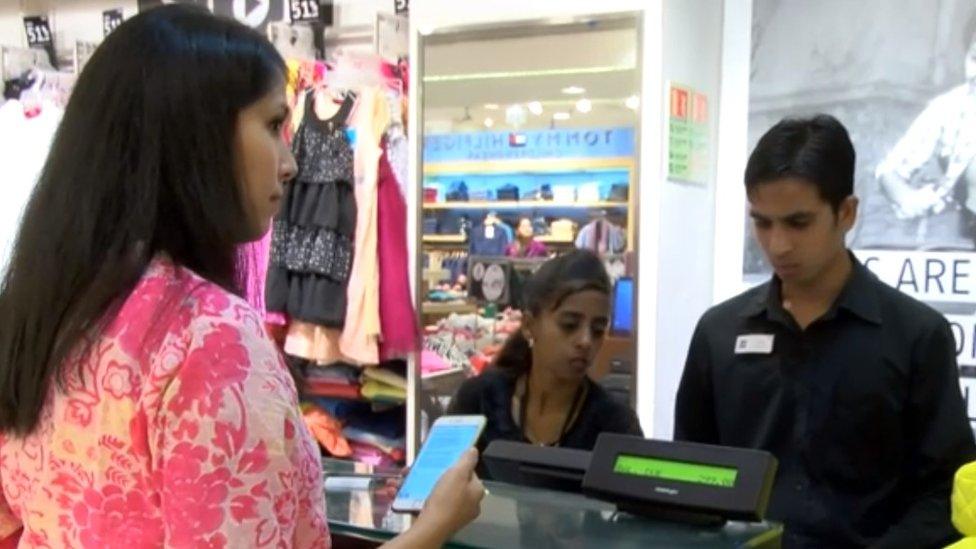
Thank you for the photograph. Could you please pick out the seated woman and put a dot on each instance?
(537, 389)
(525, 244)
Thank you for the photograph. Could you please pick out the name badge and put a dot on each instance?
(754, 344)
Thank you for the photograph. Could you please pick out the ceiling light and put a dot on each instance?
(489, 122)
(632, 102)
(584, 105)
(491, 106)
(574, 90)
(535, 107)
(515, 115)
(561, 115)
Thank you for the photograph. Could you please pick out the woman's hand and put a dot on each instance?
(456, 499)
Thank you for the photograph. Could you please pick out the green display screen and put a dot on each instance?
(682, 471)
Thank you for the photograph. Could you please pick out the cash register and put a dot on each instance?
(679, 481)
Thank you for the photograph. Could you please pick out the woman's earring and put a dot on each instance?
(531, 343)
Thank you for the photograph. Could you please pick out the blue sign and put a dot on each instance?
(532, 144)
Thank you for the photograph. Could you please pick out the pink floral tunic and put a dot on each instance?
(180, 429)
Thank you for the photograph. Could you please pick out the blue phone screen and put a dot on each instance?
(443, 448)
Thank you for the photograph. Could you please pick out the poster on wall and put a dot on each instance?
(905, 88)
(688, 136)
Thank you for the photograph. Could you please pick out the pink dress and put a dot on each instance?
(398, 318)
(180, 429)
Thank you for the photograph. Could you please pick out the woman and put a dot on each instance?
(141, 402)
(525, 244)
(537, 390)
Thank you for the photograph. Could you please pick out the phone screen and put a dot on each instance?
(444, 446)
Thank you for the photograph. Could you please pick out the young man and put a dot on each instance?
(852, 385)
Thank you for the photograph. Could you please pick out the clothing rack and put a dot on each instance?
(15, 61)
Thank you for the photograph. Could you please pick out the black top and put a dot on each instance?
(863, 410)
(490, 394)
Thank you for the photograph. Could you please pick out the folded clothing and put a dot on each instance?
(388, 445)
(619, 192)
(385, 375)
(379, 391)
(457, 192)
(338, 372)
(371, 455)
(430, 225)
(564, 193)
(333, 390)
(480, 195)
(327, 430)
(542, 193)
(507, 192)
(432, 363)
(563, 229)
(588, 192)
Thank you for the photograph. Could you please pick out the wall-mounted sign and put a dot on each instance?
(530, 144)
(38, 31)
(688, 136)
(304, 10)
(111, 19)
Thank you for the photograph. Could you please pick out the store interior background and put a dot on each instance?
(689, 238)
(681, 41)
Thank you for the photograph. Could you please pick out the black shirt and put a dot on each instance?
(863, 410)
(490, 394)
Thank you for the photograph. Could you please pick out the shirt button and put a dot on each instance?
(799, 486)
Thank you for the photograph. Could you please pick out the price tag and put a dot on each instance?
(401, 6)
(304, 10)
(111, 19)
(38, 31)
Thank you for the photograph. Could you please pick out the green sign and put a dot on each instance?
(688, 136)
(681, 471)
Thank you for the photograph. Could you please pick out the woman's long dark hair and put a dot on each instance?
(546, 290)
(141, 165)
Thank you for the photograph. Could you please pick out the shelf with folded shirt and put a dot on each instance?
(521, 204)
(461, 239)
(354, 412)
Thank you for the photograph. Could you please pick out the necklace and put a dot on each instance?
(524, 406)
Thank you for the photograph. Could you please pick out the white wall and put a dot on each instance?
(730, 193)
(692, 57)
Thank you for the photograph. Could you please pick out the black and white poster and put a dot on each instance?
(903, 82)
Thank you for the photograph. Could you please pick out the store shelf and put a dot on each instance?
(519, 205)
(430, 308)
(554, 241)
(461, 240)
(445, 239)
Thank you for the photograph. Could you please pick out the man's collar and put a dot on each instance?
(859, 296)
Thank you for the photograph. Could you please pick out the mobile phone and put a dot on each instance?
(449, 437)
